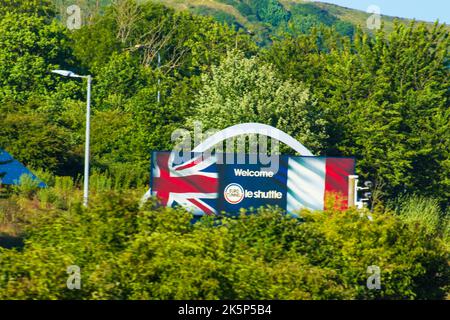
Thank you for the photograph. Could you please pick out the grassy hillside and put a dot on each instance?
(266, 19)
(359, 18)
(269, 18)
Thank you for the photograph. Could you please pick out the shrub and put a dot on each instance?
(128, 252)
(422, 210)
(27, 186)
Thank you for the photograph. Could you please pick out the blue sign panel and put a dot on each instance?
(248, 185)
(11, 170)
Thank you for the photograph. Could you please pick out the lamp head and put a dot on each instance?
(66, 73)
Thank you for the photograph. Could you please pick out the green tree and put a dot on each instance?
(246, 90)
(271, 11)
(35, 45)
(39, 7)
(307, 16)
(37, 142)
(121, 50)
(385, 99)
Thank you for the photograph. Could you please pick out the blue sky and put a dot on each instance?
(427, 10)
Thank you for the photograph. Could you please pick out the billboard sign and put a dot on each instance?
(11, 170)
(205, 185)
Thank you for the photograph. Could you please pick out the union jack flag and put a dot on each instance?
(193, 184)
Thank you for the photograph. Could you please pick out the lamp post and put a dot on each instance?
(71, 74)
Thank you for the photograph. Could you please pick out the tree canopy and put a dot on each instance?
(383, 98)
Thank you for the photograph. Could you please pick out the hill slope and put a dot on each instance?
(266, 19)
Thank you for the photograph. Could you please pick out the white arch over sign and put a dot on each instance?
(252, 128)
(245, 129)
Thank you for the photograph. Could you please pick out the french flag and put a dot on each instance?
(311, 180)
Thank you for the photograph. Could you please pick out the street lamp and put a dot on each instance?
(71, 74)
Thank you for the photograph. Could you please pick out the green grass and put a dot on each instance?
(359, 18)
(215, 6)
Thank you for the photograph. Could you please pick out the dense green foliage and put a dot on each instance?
(382, 98)
(386, 101)
(125, 252)
(42, 115)
(243, 90)
(307, 16)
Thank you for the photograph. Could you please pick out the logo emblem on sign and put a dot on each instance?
(234, 193)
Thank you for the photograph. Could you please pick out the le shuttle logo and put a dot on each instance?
(234, 193)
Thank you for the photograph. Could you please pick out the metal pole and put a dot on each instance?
(86, 151)
(159, 79)
(353, 191)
